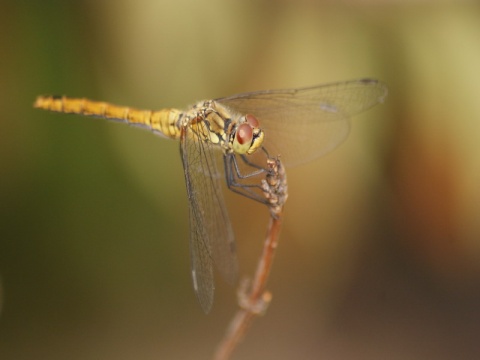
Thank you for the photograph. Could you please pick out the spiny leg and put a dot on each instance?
(237, 180)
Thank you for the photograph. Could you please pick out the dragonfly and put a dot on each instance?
(238, 138)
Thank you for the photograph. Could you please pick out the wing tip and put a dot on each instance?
(203, 294)
(378, 84)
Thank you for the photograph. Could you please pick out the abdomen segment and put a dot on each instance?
(165, 122)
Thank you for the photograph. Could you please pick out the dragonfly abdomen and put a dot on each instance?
(165, 122)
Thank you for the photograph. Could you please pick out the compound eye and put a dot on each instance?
(243, 138)
(252, 120)
(244, 134)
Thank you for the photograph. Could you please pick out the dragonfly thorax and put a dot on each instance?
(218, 125)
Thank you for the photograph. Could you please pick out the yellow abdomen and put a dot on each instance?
(165, 121)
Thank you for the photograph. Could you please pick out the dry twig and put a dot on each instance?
(253, 299)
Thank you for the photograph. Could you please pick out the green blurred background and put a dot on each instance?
(379, 256)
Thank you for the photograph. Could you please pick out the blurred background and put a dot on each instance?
(379, 255)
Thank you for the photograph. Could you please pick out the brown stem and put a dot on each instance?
(256, 301)
(253, 300)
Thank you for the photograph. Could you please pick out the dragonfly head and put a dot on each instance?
(248, 136)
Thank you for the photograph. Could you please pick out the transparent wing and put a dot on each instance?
(211, 234)
(302, 124)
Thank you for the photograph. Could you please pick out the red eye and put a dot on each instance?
(244, 133)
(252, 120)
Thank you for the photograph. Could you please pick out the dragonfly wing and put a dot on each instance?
(211, 234)
(302, 124)
(201, 263)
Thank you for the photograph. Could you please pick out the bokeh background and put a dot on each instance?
(379, 256)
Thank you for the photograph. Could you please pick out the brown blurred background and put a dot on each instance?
(380, 251)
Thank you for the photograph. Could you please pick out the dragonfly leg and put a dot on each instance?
(245, 183)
